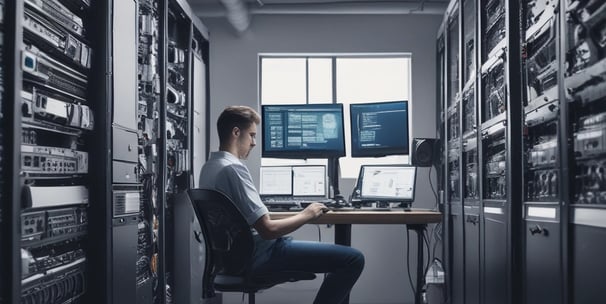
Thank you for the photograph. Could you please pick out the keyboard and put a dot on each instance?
(293, 203)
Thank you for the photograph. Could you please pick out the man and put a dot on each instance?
(224, 172)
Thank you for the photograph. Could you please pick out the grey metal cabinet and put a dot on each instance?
(542, 255)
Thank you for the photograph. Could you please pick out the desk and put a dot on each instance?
(414, 220)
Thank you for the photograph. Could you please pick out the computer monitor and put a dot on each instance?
(394, 183)
(309, 181)
(303, 131)
(276, 180)
(379, 129)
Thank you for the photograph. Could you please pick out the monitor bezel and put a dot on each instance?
(381, 151)
(386, 198)
(304, 153)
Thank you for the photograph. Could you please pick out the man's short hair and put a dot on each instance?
(235, 116)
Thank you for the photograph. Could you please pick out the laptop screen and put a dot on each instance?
(309, 181)
(276, 180)
(387, 182)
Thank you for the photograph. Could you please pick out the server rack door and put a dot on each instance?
(588, 232)
(494, 253)
(124, 260)
(542, 273)
(493, 217)
(471, 213)
(457, 245)
(472, 255)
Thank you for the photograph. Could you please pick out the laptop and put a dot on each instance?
(276, 181)
(293, 187)
(382, 187)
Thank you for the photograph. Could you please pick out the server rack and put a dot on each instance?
(83, 214)
(186, 121)
(440, 109)
(441, 141)
(453, 156)
(9, 223)
(54, 111)
(482, 162)
(542, 201)
(188, 262)
(500, 150)
(171, 113)
(3, 237)
(151, 38)
(541, 111)
(469, 156)
(584, 91)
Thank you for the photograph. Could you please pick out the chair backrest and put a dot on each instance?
(227, 236)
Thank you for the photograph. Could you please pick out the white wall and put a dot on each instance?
(233, 80)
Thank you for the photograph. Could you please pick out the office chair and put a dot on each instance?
(229, 249)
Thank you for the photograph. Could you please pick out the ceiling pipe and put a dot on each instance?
(380, 8)
(236, 13)
(437, 8)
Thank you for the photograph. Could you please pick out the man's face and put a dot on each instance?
(247, 141)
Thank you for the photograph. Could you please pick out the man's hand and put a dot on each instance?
(315, 210)
(271, 229)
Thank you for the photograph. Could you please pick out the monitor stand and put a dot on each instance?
(333, 180)
(405, 206)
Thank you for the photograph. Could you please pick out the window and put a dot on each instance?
(335, 78)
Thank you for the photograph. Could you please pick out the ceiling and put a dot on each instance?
(238, 11)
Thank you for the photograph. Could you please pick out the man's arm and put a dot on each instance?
(272, 229)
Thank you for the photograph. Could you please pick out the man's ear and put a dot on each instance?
(235, 131)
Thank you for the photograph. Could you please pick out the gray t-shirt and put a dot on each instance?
(225, 173)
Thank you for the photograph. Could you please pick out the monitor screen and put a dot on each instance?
(303, 131)
(379, 129)
(309, 181)
(276, 180)
(387, 182)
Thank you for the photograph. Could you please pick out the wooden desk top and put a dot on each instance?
(371, 217)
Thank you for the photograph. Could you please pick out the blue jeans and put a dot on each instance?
(343, 265)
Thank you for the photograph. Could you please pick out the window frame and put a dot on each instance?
(405, 159)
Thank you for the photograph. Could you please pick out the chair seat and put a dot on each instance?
(260, 281)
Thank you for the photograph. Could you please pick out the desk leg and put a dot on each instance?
(343, 237)
(343, 234)
(419, 229)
